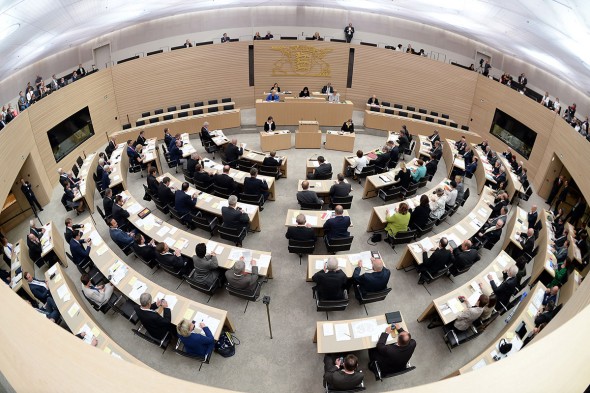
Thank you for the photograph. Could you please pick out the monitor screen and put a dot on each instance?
(513, 133)
(70, 133)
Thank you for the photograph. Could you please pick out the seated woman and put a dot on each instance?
(257, 36)
(403, 177)
(398, 221)
(421, 214)
(270, 124)
(437, 204)
(347, 126)
(304, 92)
(195, 343)
(317, 37)
(139, 156)
(206, 269)
(276, 87)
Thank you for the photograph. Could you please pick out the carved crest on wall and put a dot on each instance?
(301, 60)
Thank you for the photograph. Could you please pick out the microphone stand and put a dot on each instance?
(266, 300)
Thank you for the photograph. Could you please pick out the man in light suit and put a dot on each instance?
(79, 254)
(337, 227)
(99, 294)
(394, 357)
(371, 282)
(324, 169)
(238, 278)
(307, 196)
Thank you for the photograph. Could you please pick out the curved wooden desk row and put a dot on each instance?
(186, 242)
(87, 187)
(132, 284)
(513, 185)
(119, 166)
(75, 313)
(258, 157)
(544, 263)
(395, 111)
(190, 124)
(464, 229)
(483, 172)
(219, 107)
(290, 112)
(20, 260)
(386, 122)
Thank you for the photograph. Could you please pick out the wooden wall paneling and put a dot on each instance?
(94, 91)
(335, 55)
(182, 76)
(400, 78)
(490, 95)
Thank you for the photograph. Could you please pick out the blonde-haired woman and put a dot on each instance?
(195, 343)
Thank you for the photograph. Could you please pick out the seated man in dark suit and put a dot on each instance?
(371, 282)
(201, 177)
(382, 159)
(173, 261)
(307, 196)
(155, 317)
(40, 290)
(119, 213)
(141, 138)
(431, 167)
(165, 193)
(302, 231)
(167, 137)
(340, 189)
(121, 238)
(238, 278)
(527, 242)
(342, 375)
(490, 235)
(440, 258)
(205, 132)
(463, 257)
(394, 357)
(461, 145)
(224, 180)
(434, 137)
(501, 177)
(233, 216)
(191, 164)
(271, 160)
(255, 186)
(233, 152)
(499, 202)
(79, 254)
(146, 251)
(532, 216)
(183, 202)
(175, 152)
(337, 227)
(436, 151)
(331, 282)
(505, 290)
(106, 180)
(323, 170)
(107, 202)
(35, 248)
(152, 182)
(70, 228)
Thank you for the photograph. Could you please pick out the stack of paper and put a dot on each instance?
(263, 261)
(455, 305)
(461, 230)
(88, 337)
(342, 332)
(63, 293)
(134, 209)
(319, 264)
(138, 288)
(74, 310)
(363, 328)
(118, 271)
(170, 242)
(164, 230)
(426, 243)
(209, 321)
(328, 329)
(170, 299)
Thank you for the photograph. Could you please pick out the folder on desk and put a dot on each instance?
(393, 317)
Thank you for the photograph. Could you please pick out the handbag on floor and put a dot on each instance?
(226, 345)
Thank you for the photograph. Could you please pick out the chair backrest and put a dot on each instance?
(185, 106)
(197, 112)
(444, 116)
(221, 192)
(434, 113)
(228, 99)
(158, 111)
(372, 297)
(301, 246)
(402, 114)
(127, 126)
(268, 171)
(339, 244)
(443, 217)
(385, 103)
(443, 122)
(346, 201)
(368, 170)
(202, 187)
(389, 111)
(398, 106)
(228, 107)
(324, 177)
(202, 222)
(199, 103)
(244, 294)
(150, 263)
(454, 125)
(163, 343)
(171, 108)
(154, 120)
(140, 123)
(146, 114)
(465, 128)
(251, 199)
(234, 235)
(212, 102)
(331, 305)
(427, 228)
(168, 269)
(168, 117)
(430, 119)
(465, 196)
(310, 206)
(75, 170)
(404, 237)
(411, 109)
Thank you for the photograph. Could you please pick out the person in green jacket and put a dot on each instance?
(398, 221)
(560, 274)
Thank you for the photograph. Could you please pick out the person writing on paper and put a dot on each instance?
(347, 126)
(238, 278)
(303, 230)
(173, 261)
(466, 318)
(505, 290)
(334, 97)
(99, 294)
(331, 282)
(438, 204)
(206, 271)
(394, 357)
(397, 220)
(270, 124)
(342, 373)
(155, 317)
(370, 282)
(304, 93)
(440, 258)
(272, 96)
(195, 343)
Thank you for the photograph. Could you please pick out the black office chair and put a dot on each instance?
(221, 191)
(209, 146)
(370, 297)
(402, 237)
(323, 177)
(410, 191)
(197, 112)
(224, 100)
(235, 235)
(157, 112)
(411, 109)
(154, 120)
(398, 106)
(330, 305)
(184, 219)
(206, 188)
(213, 109)
(453, 338)
(146, 114)
(310, 206)
(442, 218)
(201, 287)
(205, 222)
(338, 244)
(179, 350)
(161, 343)
(126, 126)
(301, 247)
(465, 196)
(249, 296)
(161, 206)
(444, 116)
(176, 272)
(330, 389)
(228, 107)
(199, 103)
(106, 307)
(385, 103)
(425, 277)
(421, 231)
(379, 375)
(389, 111)
(149, 263)
(244, 165)
(212, 102)
(252, 200)
(389, 194)
(185, 106)
(271, 171)
(171, 108)
(345, 202)
(368, 170)
(167, 117)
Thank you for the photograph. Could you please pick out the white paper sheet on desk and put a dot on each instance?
(538, 299)
(410, 203)
(224, 203)
(74, 310)
(366, 258)
(455, 305)
(63, 293)
(209, 321)
(494, 278)
(473, 298)
(117, 271)
(170, 299)
(173, 230)
(328, 329)
(211, 245)
(475, 286)
(446, 310)
(88, 337)
(263, 261)
(319, 264)
(95, 237)
(134, 209)
(52, 270)
(341, 262)
(426, 243)
(532, 310)
(311, 220)
(472, 216)
(170, 242)
(162, 231)
(248, 209)
(480, 364)
(209, 164)
(137, 289)
(475, 224)
(379, 329)
(342, 332)
(416, 247)
(482, 212)
(363, 328)
(139, 222)
(502, 260)
(461, 230)
(235, 254)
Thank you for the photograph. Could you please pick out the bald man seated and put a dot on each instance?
(371, 281)
(394, 357)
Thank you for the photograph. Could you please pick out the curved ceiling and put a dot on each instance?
(552, 34)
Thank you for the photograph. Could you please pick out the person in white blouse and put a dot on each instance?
(451, 195)
(7, 248)
(360, 162)
(545, 99)
(556, 105)
(334, 97)
(437, 204)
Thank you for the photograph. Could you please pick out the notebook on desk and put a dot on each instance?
(393, 317)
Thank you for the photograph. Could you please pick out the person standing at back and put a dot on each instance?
(349, 32)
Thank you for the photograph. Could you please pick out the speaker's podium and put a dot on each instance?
(308, 136)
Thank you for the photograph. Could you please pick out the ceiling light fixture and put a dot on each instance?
(4, 33)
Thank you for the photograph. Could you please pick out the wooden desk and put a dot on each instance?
(513, 184)
(462, 230)
(120, 166)
(308, 140)
(518, 222)
(358, 334)
(452, 157)
(186, 242)
(212, 167)
(190, 124)
(378, 222)
(51, 242)
(291, 111)
(20, 259)
(483, 172)
(376, 182)
(320, 187)
(308, 126)
(544, 263)
(187, 148)
(341, 141)
(448, 307)
(213, 204)
(317, 218)
(160, 116)
(218, 138)
(351, 160)
(423, 146)
(275, 140)
(396, 111)
(258, 158)
(524, 313)
(150, 154)
(346, 262)
(87, 186)
(386, 122)
(77, 315)
(106, 261)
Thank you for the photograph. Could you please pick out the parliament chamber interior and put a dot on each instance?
(311, 196)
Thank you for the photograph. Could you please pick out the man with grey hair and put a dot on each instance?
(488, 236)
(205, 135)
(303, 230)
(233, 152)
(155, 317)
(238, 278)
(331, 282)
(505, 290)
(233, 216)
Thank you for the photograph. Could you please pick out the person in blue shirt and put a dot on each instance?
(374, 281)
(419, 173)
(121, 238)
(195, 343)
(273, 96)
(175, 152)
